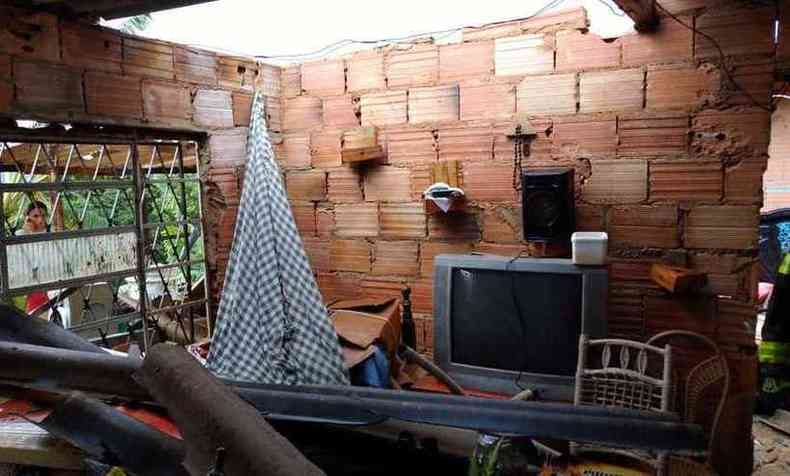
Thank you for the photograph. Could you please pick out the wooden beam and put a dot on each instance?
(643, 12)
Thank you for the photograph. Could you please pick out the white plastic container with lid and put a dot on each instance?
(589, 247)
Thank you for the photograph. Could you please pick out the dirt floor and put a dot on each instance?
(771, 447)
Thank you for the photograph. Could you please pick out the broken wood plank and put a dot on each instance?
(363, 155)
(360, 138)
(676, 279)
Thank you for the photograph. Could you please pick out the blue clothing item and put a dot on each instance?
(373, 371)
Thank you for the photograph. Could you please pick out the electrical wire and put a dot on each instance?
(615, 11)
(722, 56)
(406, 39)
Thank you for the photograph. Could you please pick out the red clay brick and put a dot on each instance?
(585, 137)
(738, 31)
(527, 54)
(653, 135)
(433, 104)
(403, 220)
(388, 184)
(306, 185)
(466, 60)
(274, 113)
(296, 148)
(686, 181)
(318, 253)
(430, 249)
(228, 148)
(269, 80)
(166, 100)
(686, 88)
(350, 255)
(499, 249)
(466, 142)
(302, 113)
(292, 81)
(195, 66)
(573, 18)
(502, 225)
(723, 227)
(485, 182)
(240, 73)
(421, 179)
(149, 58)
(671, 42)
(539, 146)
(36, 35)
(731, 133)
(325, 148)
(589, 218)
(48, 87)
(577, 51)
(325, 222)
(395, 258)
(407, 145)
(324, 78)
(242, 109)
(359, 220)
(755, 83)
(416, 66)
(6, 84)
(382, 288)
(113, 95)
(616, 181)
(213, 108)
(366, 71)
(304, 216)
(453, 226)
(91, 48)
(644, 226)
(422, 301)
(743, 182)
(336, 286)
(488, 101)
(339, 111)
(549, 94)
(621, 90)
(345, 185)
(382, 109)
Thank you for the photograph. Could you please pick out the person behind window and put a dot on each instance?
(35, 222)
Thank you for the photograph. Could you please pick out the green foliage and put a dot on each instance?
(137, 24)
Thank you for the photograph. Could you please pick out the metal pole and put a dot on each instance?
(188, 248)
(3, 255)
(203, 228)
(139, 216)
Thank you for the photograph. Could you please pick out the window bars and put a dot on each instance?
(123, 219)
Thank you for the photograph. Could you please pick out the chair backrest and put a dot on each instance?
(623, 373)
(711, 373)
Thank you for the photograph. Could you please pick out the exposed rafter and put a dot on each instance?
(110, 9)
(643, 12)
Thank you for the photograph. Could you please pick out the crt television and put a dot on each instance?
(505, 324)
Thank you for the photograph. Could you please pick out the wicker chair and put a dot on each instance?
(711, 373)
(624, 374)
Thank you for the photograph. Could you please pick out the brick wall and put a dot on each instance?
(777, 175)
(668, 155)
(54, 70)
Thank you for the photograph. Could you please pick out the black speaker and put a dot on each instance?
(547, 203)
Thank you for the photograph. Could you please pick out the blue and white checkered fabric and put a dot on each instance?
(272, 326)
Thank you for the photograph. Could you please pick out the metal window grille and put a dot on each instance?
(124, 217)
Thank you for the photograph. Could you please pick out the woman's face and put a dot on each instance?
(36, 220)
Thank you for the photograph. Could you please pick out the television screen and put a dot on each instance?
(520, 321)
